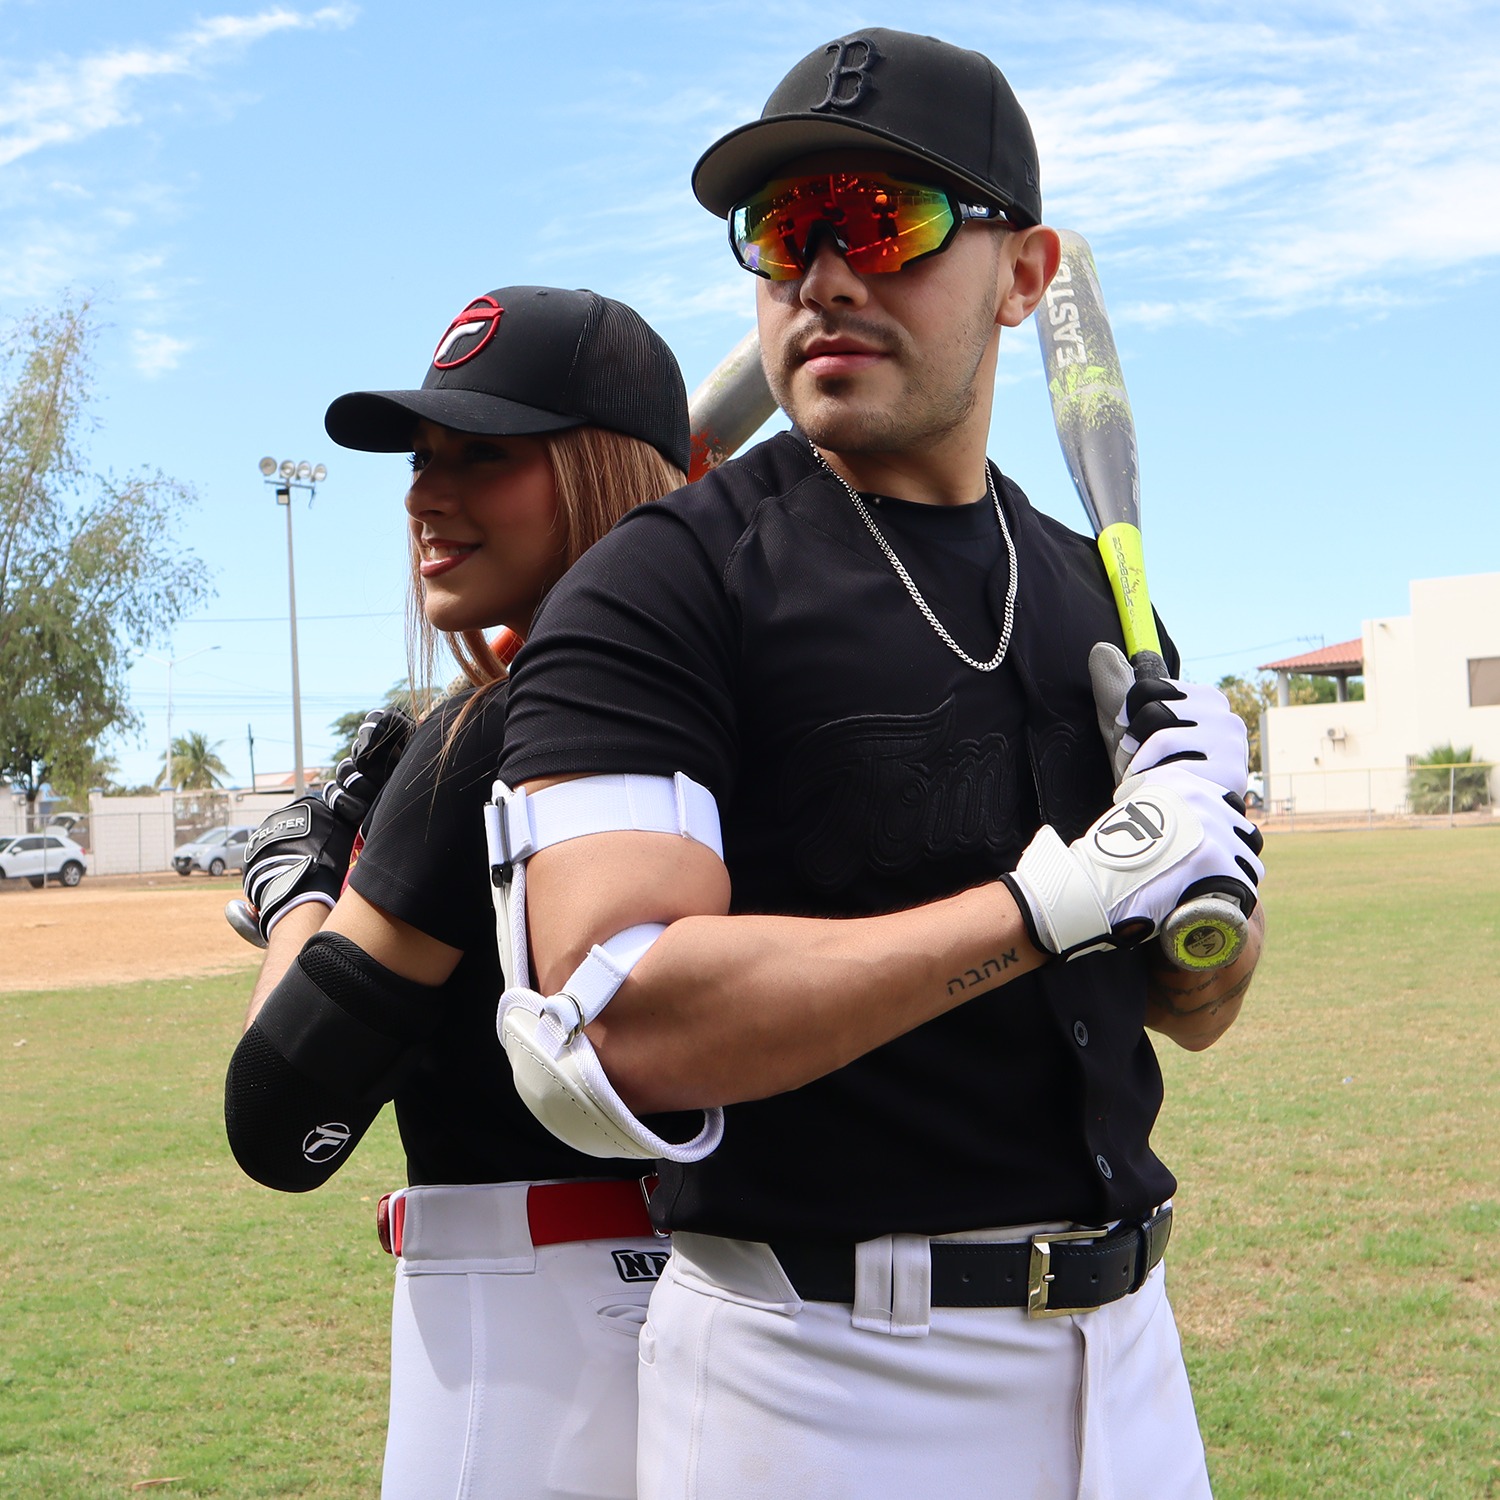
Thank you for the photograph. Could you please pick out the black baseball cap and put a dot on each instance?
(941, 104)
(529, 359)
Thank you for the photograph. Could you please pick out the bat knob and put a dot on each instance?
(1205, 933)
(240, 917)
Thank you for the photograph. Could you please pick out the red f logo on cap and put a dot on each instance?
(468, 333)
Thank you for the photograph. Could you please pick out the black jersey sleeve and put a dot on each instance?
(424, 858)
(630, 665)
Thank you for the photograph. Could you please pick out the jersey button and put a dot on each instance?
(1105, 1169)
(1080, 1033)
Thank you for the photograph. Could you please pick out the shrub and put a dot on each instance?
(1445, 773)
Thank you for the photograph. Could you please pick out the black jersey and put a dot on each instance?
(424, 860)
(749, 631)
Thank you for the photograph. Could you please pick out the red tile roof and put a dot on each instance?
(1326, 661)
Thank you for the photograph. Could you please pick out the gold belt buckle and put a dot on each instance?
(1039, 1274)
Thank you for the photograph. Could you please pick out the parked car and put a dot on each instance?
(216, 851)
(1255, 796)
(40, 857)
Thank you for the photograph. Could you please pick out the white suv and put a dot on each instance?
(40, 857)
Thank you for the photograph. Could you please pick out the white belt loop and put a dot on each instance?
(475, 1228)
(893, 1286)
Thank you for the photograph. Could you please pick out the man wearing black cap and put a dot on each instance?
(925, 1257)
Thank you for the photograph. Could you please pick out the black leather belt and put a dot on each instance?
(1049, 1274)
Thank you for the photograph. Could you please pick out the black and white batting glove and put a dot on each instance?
(358, 778)
(1170, 835)
(1159, 722)
(299, 854)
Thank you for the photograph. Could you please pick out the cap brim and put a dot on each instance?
(746, 159)
(383, 421)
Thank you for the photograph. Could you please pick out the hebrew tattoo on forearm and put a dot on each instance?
(993, 969)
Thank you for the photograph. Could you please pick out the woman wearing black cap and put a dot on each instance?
(524, 1267)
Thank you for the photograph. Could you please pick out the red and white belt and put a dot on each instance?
(556, 1213)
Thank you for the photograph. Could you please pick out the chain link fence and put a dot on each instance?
(137, 835)
(1382, 795)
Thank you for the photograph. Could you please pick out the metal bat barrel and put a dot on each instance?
(240, 917)
(725, 411)
(1096, 430)
(1090, 406)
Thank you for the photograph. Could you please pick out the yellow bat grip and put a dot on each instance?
(1125, 563)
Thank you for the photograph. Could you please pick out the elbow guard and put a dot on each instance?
(327, 1051)
(556, 1070)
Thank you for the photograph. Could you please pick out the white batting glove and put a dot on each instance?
(1159, 721)
(1169, 834)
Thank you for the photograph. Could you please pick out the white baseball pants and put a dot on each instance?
(513, 1367)
(748, 1393)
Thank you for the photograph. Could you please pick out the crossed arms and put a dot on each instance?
(725, 1008)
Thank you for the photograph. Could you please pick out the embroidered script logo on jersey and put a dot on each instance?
(848, 79)
(324, 1142)
(1073, 777)
(639, 1265)
(1133, 833)
(888, 792)
(468, 333)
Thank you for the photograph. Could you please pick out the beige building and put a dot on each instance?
(1431, 678)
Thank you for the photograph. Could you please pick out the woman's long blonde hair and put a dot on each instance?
(599, 475)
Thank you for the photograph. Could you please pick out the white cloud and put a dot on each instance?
(1336, 156)
(59, 103)
(154, 352)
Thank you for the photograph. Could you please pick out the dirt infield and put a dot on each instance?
(111, 933)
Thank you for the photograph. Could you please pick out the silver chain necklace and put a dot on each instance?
(916, 593)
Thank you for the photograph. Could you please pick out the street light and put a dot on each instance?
(288, 475)
(169, 662)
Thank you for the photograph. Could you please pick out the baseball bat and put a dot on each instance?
(1097, 432)
(723, 413)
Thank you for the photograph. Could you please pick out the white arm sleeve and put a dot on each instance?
(557, 1072)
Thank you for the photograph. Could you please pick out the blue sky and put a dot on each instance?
(1295, 208)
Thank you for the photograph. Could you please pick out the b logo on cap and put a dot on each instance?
(842, 70)
(468, 333)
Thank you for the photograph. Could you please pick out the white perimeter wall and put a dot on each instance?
(1347, 756)
(130, 834)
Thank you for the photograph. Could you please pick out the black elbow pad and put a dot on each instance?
(326, 1052)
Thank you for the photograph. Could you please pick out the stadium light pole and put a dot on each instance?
(168, 780)
(288, 476)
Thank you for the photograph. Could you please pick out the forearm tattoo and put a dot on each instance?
(975, 978)
(1181, 998)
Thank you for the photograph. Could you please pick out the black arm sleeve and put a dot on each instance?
(326, 1052)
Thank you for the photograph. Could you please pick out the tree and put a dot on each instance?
(1445, 780)
(196, 766)
(1302, 690)
(98, 771)
(398, 695)
(1249, 697)
(89, 565)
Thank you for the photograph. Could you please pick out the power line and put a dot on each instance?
(380, 614)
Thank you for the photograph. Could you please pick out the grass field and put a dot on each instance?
(1336, 1263)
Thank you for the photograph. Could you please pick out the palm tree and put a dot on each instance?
(1446, 780)
(196, 766)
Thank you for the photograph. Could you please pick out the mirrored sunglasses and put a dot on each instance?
(878, 222)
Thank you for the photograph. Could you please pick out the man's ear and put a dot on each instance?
(1033, 255)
